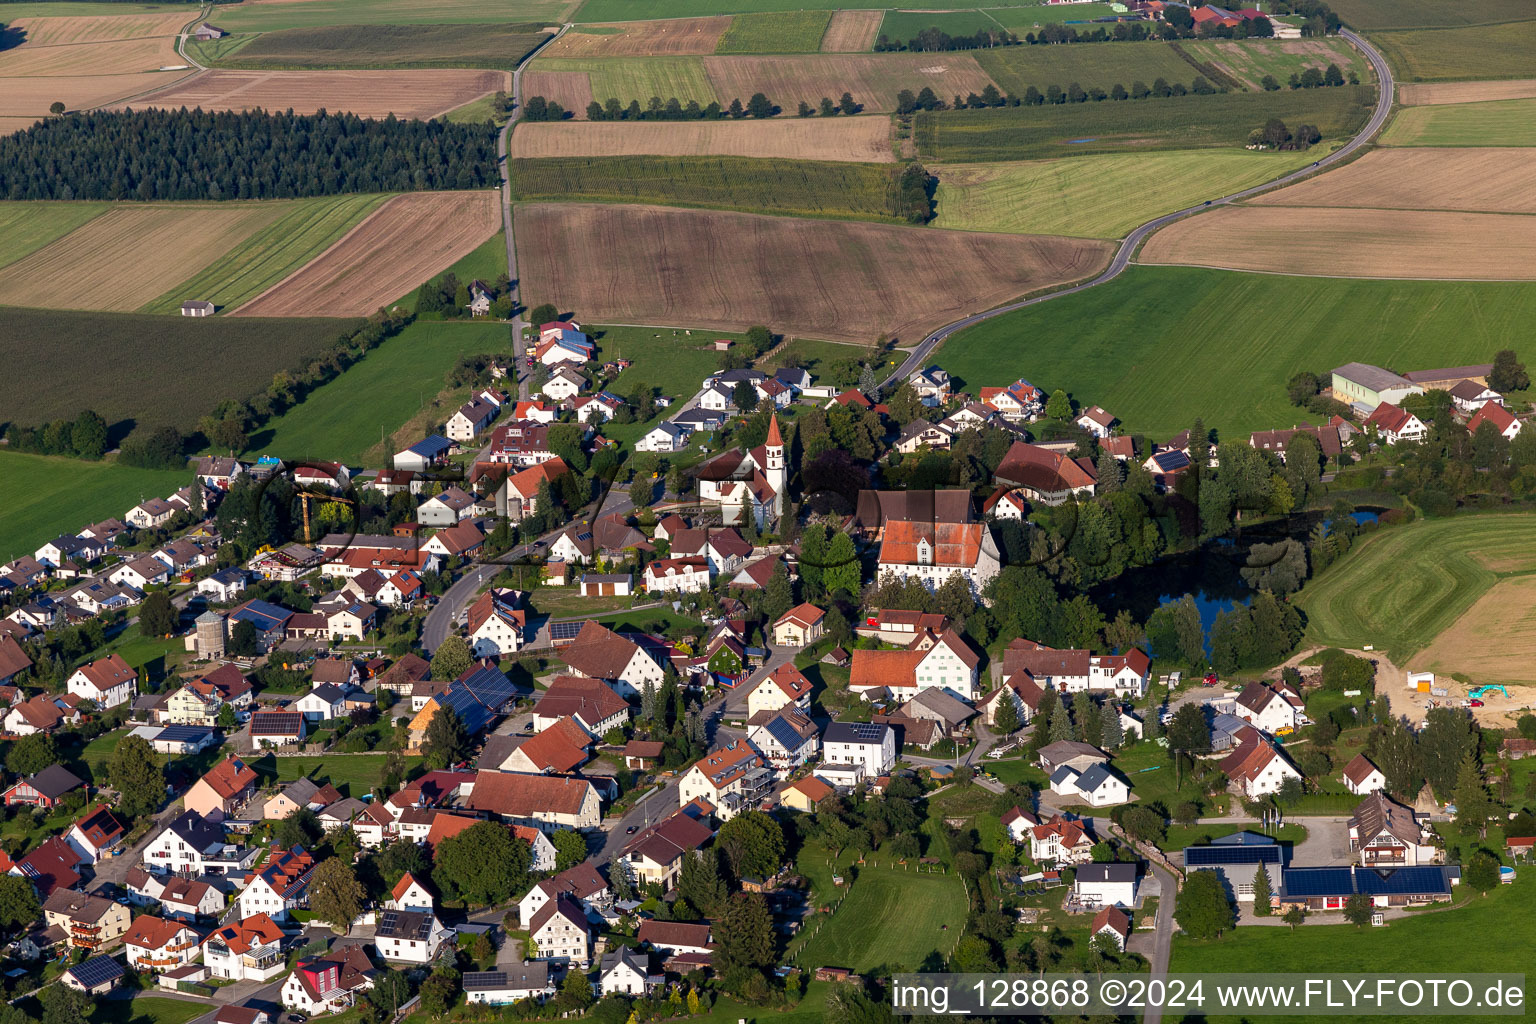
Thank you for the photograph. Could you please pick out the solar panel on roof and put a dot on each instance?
(98, 970)
(564, 630)
(1211, 856)
(387, 920)
(1316, 882)
(1400, 881)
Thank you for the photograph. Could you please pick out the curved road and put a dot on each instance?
(1386, 89)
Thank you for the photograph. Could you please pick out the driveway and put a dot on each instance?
(1327, 842)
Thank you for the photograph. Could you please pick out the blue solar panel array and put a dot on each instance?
(1405, 881)
(1215, 856)
(98, 970)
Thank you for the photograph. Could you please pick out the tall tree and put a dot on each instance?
(1203, 910)
(1261, 892)
(1061, 723)
(778, 595)
(1397, 755)
(451, 659)
(137, 776)
(447, 742)
(753, 843)
(1508, 373)
(1449, 736)
(843, 574)
(700, 882)
(483, 864)
(570, 848)
(88, 436)
(1007, 717)
(31, 754)
(744, 941)
(1474, 805)
(18, 902)
(335, 895)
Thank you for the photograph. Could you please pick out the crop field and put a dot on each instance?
(40, 487)
(625, 79)
(1139, 340)
(406, 94)
(87, 60)
(346, 416)
(1447, 54)
(308, 228)
(401, 244)
(131, 254)
(1028, 16)
(891, 920)
(1396, 14)
(1435, 93)
(212, 358)
(1016, 68)
(858, 139)
(1486, 180)
(873, 79)
(1187, 122)
(903, 25)
(676, 38)
(118, 57)
(1500, 123)
(27, 227)
(268, 15)
(802, 188)
(106, 27)
(826, 279)
(31, 97)
(499, 47)
(852, 32)
(1402, 588)
(10, 125)
(789, 32)
(1353, 243)
(1493, 641)
(639, 10)
(1095, 196)
(1250, 60)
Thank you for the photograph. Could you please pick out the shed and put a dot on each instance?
(197, 307)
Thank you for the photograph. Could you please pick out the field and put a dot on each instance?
(118, 57)
(1139, 340)
(1500, 123)
(88, 60)
(1250, 60)
(1352, 243)
(1022, 19)
(210, 359)
(98, 25)
(1016, 68)
(1493, 641)
(268, 15)
(624, 79)
(856, 139)
(8, 125)
(1436, 93)
(346, 416)
(406, 94)
(789, 32)
(132, 254)
(1391, 14)
(1439, 55)
(500, 47)
(1095, 196)
(1187, 122)
(903, 25)
(805, 188)
(891, 920)
(25, 227)
(841, 281)
(852, 32)
(44, 489)
(401, 244)
(311, 227)
(873, 79)
(675, 38)
(639, 10)
(1487, 180)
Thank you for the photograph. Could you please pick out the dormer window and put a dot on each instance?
(924, 553)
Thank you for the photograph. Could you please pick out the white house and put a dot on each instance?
(559, 931)
(447, 508)
(1096, 785)
(1096, 421)
(787, 738)
(597, 408)
(1112, 923)
(156, 944)
(784, 686)
(144, 571)
(328, 983)
(676, 575)
(410, 894)
(1363, 778)
(872, 747)
(1106, 884)
(1060, 841)
(495, 623)
(625, 971)
(1394, 424)
(223, 586)
(410, 936)
(932, 552)
(563, 383)
(508, 984)
(1255, 766)
(666, 436)
(733, 779)
(322, 703)
(1274, 709)
(945, 662)
(193, 845)
(1075, 670)
(1502, 419)
(280, 886)
(107, 681)
(1018, 822)
(248, 950)
(471, 418)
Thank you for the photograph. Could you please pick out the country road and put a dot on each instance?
(917, 359)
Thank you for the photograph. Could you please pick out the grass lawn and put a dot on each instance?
(810, 1010)
(486, 262)
(50, 496)
(819, 358)
(891, 920)
(1452, 54)
(145, 1010)
(1094, 196)
(475, 112)
(1013, 770)
(902, 26)
(1494, 123)
(787, 32)
(347, 416)
(354, 774)
(1161, 784)
(1139, 341)
(639, 78)
(25, 227)
(157, 654)
(1401, 587)
(1016, 68)
(567, 600)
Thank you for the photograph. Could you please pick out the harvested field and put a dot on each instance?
(625, 78)
(1353, 243)
(676, 38)
(842, 281)
(123, 57)
(571, 89)
(33, 96)
(1249, 60)
(873, 79)
(1493, 641)
(1465, 92)
(85, 61)
(266, 15)
(1016, 68)
(406, 94)
(27, 227)
(498, 47)
(409, 239)
(9, 125)
(1499, 123)
(787, 32)
(857, 139)
(61, 31)
(852, 32)
(131, 254)
(1485, 180)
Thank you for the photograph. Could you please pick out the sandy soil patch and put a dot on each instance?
(826, 279)
(403, 243)
(406, 94)
(571, 89)
(1494, 641)
(673, 38)
(11, 125)
(1488, 180)
(131, 255)
(1436, 93)
(1353, 243)
(852, 31)
(107, 28)
(856, 139)
(873, 79)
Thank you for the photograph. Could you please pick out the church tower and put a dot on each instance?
(778, 477)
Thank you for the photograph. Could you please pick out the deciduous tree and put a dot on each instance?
(335, 895)
(137, 776)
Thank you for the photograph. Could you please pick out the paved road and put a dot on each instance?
(1386, 89)
(181, 40)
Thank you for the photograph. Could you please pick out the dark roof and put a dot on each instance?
(98, 970)
(183, 733)
(54, 781)
(1107, 873)
(534, 975)
(855, 732)
(197, 831)
(405, 924)
(1346, 881)
(1220, 856)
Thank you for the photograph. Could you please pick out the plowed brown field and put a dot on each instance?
(1466, 92)
(677, 37)
(1486, 180)
(403, 243)
(826, 279)
(406, 94)
(571, 89)
(873, 79)
(1353, 243)
(856, 139)
(852, 31)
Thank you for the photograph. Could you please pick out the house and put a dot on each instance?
(1394, 424)
(799, 627)
(677, 937)
(277, 729)
(1385, 833)
(596, 408)
(599, 653)
(1471, 395)
(1018, 822)
(1046, 476)
(192, 845)
(1275, 708)
(620, 584)
(871, 747)
(246, 950)
(478, 697)
(1236, 860)
(91, 922)
(946, 662)
(150, 514)
(1502, 419)
(558, 931)
(97, 975)
(322, 703)
(46, 789)
(676, 575)
(1018, 402)
(1105, 885)
(1096, 421)
(1369, 386)
(232, 1014)
(223, 586)
(655, 856)
(42, 713)
(280, 885)
(188, 899)
(1328, 888)
(554, 751)
(107, 681)
(1076, 670)
(226, 788)
(590, 703)
(665, 436)
(1071, 754)
(1255, 767)
(627, 972)
(495, 624)
(546, 802)
(899, 626)
(1112, 923)
(641, 755)
(1096, 785)
(1165, 468)
(300, 793)
(141, 573)
(787, 738)
(410, 936)
(65, 549)
(562, 341)
(805, 794)
(785, 685)
(521, 443)
(471, 418)
(564, 382)
(920, 435)
(1329, 438)
(410, 894)
(51, 867)
(420, 457)
(932, 552)
(935, 705)
(14, 660)
(446, 508)
(1019, 689)
(97, 834)
(1061, 841)
(732, 779)
(328, 983)
(1361, 777)
(725, 551)
(508, 984)
(157, 944)
(931, 385)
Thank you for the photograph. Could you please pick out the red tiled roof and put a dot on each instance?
(230, 777)
(951, 544)
(523, 796)
(1043, 470)
(241, 936)
(1491, 412)
(110, 671)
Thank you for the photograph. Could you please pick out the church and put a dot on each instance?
(748, 483)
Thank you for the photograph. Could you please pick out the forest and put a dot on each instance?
(194, 154)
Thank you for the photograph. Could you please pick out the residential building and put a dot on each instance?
(192, 845)
(1069, 753)
(931, 385)
(600, 653)
(732, 779)
(1471, 395)
(1329, 888)
(245, 950)
(946, 662)
(1076, 670)
(1046, 476)
(799, 627)
(787, 738)
(1502, 419)
(188, 899)
(495, 624)
(277, 729)
(322, 703)
(677, 937)
(410, 894)
(470, 419)
(580, 882)
(1275, 708)
(558, 931)
(508, 984)
(626, 972)
(52, 867)
(90, 922)
(805, 794)
(546, 802)
(1096, 785)
(932, 552)
(1105, 884)
(870, 746)
(1097, 422)
(46, 789)
(224, 790)
(1386, 834)
(95, 976)
(1113, 923)
(676, 575)
(783, 687)
(410, 936)
(107, 681)
(158, 944)
(328, 983)
(1394, 424)
(1060, 841)
(1255, 767)
(280, 885)
(666, 436)
(1362, 777)
(655, 856)
(97, 834)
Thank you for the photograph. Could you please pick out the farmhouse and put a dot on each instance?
(1394, 424)
(1368, 386)
(1255, 767)
(600, 653)
(1046, 476)
(1502, 419)
(546, 802)
(1072, 671)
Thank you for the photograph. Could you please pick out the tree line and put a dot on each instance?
(1276, 135)
(85, 437)
(673, 109)
(196, 154)
(935, 40)
(907, 102)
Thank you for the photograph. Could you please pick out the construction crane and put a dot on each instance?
(305, 497)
